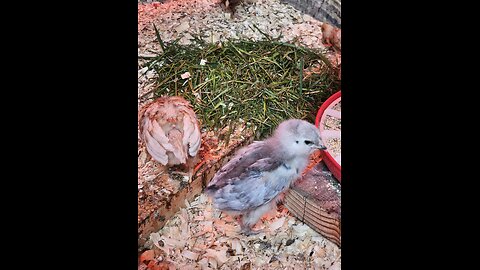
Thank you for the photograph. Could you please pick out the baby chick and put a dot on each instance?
(251, 183)
(332, 36)
(231, 4)
(171, 132)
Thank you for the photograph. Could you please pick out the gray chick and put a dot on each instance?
(251, 183)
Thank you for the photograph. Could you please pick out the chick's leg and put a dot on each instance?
(251, 218)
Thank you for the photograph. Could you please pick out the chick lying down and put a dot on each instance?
(252, 183)
(171, 132)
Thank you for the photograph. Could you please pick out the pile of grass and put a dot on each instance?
(261, 82)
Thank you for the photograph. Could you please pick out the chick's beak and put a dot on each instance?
(321, 147)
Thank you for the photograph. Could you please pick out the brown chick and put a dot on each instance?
(337, 40)
(231, 4)
(171, 132)
(331, 36)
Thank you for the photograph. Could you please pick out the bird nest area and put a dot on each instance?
(243, 76)
(251, 71)
(261, 82)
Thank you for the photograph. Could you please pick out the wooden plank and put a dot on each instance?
(315, 200)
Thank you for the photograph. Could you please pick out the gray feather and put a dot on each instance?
(252, 178)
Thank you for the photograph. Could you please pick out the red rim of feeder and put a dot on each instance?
(331, 163)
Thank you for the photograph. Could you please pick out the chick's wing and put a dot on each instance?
(248, 181)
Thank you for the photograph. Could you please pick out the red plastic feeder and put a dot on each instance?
(325, 133)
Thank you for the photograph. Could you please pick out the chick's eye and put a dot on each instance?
(308, 142)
